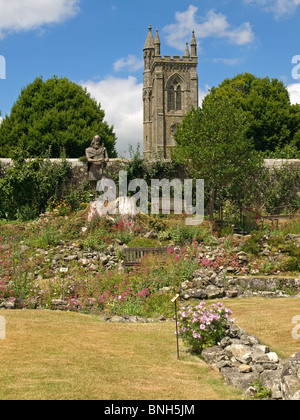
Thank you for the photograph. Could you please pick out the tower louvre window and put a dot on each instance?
(178, 98)
(171, 99)
(150, 106)
(174, 96)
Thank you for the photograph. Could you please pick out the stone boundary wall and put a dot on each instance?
(278, 163)
(79, 173)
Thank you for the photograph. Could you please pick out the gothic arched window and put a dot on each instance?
(174, 94)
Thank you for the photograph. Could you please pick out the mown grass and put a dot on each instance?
(66, 356)
(270, 320)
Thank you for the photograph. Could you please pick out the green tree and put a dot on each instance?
(55, 113)
(273, 121)
(212, 144)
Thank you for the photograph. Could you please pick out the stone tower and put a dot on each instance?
(170, 91)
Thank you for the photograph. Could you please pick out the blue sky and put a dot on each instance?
(99, 44)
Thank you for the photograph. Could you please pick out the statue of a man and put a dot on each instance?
(97, 158)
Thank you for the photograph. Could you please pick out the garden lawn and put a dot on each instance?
(68, 356)
(64, 356)
(270, 320)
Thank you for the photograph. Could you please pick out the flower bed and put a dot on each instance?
(203, 327)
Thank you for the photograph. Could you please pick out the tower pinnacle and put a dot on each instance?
(157, 43)
(194, 46)
(150, 40)
(187, 51)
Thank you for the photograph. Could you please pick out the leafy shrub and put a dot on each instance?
(290, 264)
(252, 245)
(157, 225)
(28, 185)
(159, 303)
(49, 236)
(159, 271)
(98, 240)
(103, 232)
(286, 247)
(78, 199)
(276, 241)
(182, 233)
(226, 231)
(203, 327)
(293, 250)
(292, 226)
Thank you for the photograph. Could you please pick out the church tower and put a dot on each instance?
(170, 91)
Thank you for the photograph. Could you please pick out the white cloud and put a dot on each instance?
(278, 7)
(121, 99)
(25, 15)
(228, 61)
(131, 63)
(294, 91)
(212, 25)
(202, 93)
